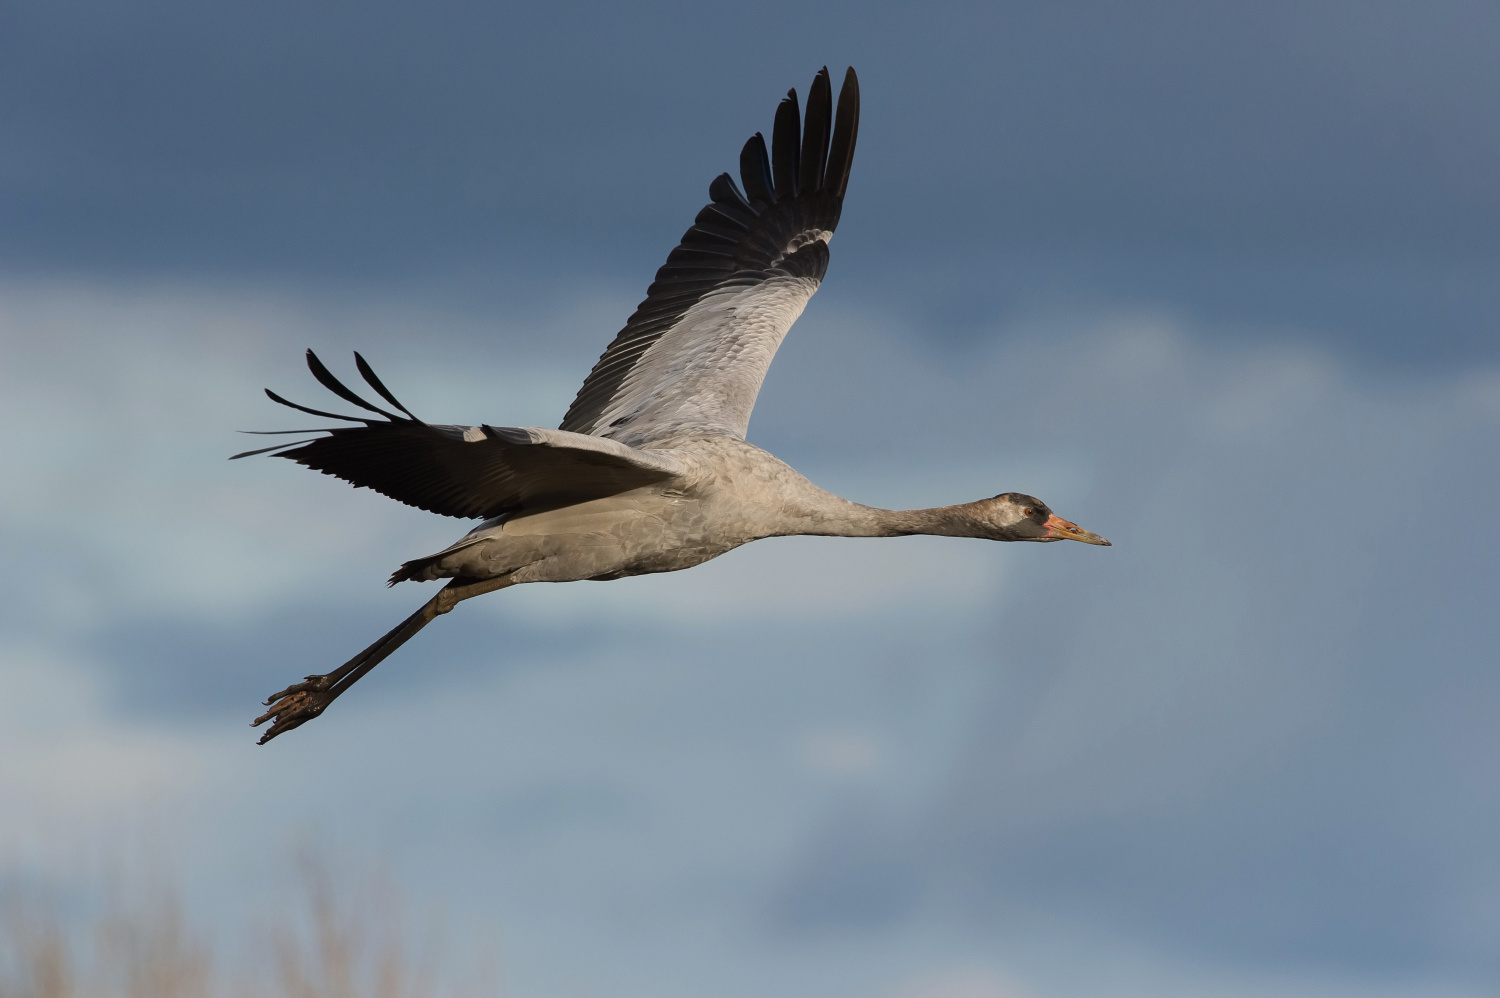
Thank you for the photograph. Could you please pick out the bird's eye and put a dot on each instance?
(1029, 511)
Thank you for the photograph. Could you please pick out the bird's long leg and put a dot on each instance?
(301, 702)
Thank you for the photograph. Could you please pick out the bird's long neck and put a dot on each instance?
(831, 516)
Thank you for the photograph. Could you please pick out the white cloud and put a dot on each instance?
(71, 773)
(841, 753)
(120, 489)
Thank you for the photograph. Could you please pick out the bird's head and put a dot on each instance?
(1014, 516)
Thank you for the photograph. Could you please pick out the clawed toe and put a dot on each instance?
(294, 706)
(312, 684)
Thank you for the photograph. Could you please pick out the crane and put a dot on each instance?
(650, 470)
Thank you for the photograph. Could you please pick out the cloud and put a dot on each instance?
(1248, 740)
(132, 398)
(300, 131)
(1223, 717)
(962, 982)
(83, 789)
(1320, 165)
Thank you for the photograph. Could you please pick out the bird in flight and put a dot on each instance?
(650, 470)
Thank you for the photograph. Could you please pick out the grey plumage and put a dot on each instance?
(650, 470)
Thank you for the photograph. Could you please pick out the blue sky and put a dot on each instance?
(1215, 281)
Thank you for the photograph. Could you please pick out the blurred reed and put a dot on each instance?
(339, 938)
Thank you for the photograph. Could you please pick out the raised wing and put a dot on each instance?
(694, 354)
(467, 471)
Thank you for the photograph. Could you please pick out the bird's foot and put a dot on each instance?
(295, 705)
(301, 702)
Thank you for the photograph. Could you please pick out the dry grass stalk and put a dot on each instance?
(36, 958)
(348, 947)
(341, 944)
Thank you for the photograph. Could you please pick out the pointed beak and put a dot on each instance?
(1064, 531)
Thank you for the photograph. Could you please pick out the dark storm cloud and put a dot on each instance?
(335, 139)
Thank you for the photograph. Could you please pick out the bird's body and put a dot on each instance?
(650, 470)
(729, 493)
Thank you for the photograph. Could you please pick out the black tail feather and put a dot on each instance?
(410, 571)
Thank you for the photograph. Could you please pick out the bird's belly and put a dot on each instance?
(606, 539)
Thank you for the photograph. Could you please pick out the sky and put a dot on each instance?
(1215, 281)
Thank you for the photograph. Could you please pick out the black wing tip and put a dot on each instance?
(755, 171)
(368, 373)
(845, 136)
(786, 146)
(723, 190)
(800, 161)
(327, 380)
(313, 412)
(816, 129)
(267, 450)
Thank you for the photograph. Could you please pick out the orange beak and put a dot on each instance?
(1065, 531)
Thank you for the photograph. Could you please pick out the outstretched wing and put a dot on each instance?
(467, 471)
(692, 357)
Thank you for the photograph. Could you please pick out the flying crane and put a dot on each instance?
(650, 470)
